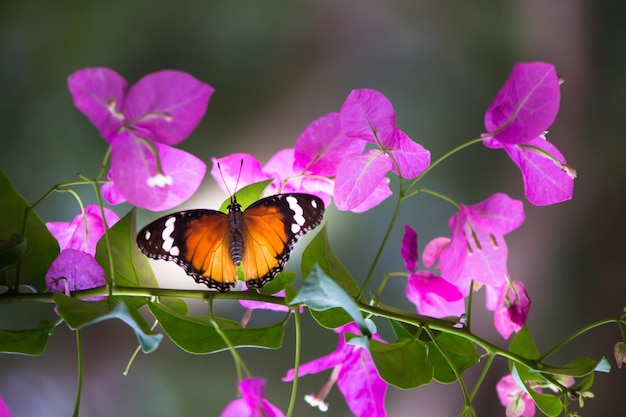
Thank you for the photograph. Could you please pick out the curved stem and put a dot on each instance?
(435, 194)
(382, 245)
(466, 397)
(239, 363)
(576, 334)
(296, 365)
(482, 376)
(441, 159)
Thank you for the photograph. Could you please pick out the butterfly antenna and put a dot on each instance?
(232, 194)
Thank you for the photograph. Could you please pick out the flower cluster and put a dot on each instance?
(332, 156)
(345, 157)
(160, 110)
(76, 268)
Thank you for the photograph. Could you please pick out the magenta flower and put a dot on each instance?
(355, 374)
(334, 146)
(73, 235)
(75, 270)
(280, 168)
(512, 308)
(517, 402)
(252, 402)
(4, 410)
(477, 250)
(160, 110)
(517, 121)
(432, 294)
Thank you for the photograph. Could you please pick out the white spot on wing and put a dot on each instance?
(147, 235)
(168, 240)
(297, 209)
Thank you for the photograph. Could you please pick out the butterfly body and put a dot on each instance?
(209, 245)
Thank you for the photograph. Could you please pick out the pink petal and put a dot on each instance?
(99, 94)
(322, 146)
(498, 214)
(409, 248)
(110, 193)
(262, 305)
(512, 310)
(168, 104)
(545, 182)
(280, 167)
(320, 364)
(361, 386)
(509, 392)
(433, 250)
(73, 235)
(133, 165)
(79, 269)
(526, 105)
(452, 258)
(486, 263)
(380, 193)
(411, 157)
(367, 111)
(248, 173)
(358, 177)
(434, 296)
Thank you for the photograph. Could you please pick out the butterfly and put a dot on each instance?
(209, 245)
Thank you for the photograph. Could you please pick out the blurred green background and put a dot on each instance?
(276, 66)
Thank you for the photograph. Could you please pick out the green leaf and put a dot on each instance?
(320, 293)
(278, 283)
(11, 250)
(403, 364)
(131, 267)
(524, 345)
(576, 368)
(400, 331)
(197, 334)
(247, 195)
(41, 247)
(318, 252)
(549, 404)
(79, 314)
(27, 341)
(460, 351)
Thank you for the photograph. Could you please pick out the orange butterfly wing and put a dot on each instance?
(271, 228)
(198, 241)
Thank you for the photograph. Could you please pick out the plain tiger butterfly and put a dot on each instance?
(209, 245)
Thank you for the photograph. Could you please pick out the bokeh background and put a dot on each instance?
(276, 66)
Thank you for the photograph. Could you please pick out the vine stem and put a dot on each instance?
(296, 364)
(239, 363)
(579, 332)
(443, 158)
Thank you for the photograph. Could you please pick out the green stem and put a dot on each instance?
(79, 385)
(239, 363)
(482, 376)
(578, 333)
(466, 397)
(392, 222)
(296, 365)
(441, 159)
(435, 194)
